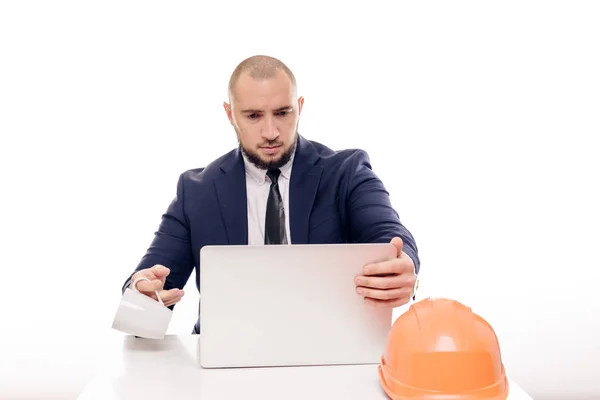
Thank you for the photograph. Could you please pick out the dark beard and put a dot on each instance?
(259, 163)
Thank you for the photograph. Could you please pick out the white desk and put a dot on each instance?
(147, 369)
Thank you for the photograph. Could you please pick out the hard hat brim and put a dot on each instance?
(401, 391)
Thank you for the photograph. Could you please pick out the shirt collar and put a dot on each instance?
(260, 174)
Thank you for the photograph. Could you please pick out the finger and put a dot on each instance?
(395, 266)
(173, 301)
(398, 243)
(388, 282)
(145, 286)
(168, 295)
(380, 294)
(388, 303)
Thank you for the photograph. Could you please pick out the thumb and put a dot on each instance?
(398, 243)
(160, 271)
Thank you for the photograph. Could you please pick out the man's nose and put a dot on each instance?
(269, 129)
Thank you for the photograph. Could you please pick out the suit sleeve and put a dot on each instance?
(171, 244)
(372, 219)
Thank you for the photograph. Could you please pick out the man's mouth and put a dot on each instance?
(270, 149)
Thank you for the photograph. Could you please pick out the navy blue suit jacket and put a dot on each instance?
(334, 197)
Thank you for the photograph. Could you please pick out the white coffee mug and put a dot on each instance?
(141, 315)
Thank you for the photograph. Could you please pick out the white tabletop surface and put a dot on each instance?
(164, 369)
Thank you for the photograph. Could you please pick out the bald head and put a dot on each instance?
(259, 67)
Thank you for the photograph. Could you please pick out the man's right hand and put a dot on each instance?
(157, 276)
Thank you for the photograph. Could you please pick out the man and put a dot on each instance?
(277, 188)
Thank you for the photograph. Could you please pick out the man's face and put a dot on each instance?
(265, 116)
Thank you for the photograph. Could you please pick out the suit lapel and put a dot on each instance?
(231, 195)
(304, 183)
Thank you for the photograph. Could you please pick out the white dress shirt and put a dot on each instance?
(257, 192)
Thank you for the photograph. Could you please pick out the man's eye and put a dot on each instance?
(253, 116)
(282, 113)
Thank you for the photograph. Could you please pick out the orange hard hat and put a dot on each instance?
(440, 349)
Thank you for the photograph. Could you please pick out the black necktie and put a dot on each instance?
(275, 220)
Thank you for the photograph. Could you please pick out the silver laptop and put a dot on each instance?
(289, 305)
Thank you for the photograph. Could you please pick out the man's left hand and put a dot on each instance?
(389, 283)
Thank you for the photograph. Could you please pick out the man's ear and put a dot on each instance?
(227, 108)
(300, 104)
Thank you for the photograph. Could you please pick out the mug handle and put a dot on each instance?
(145, 279)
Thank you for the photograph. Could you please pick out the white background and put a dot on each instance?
(481, 118)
